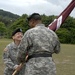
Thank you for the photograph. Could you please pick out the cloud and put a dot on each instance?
(48, 7)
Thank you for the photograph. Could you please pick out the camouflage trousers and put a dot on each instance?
(40, 66)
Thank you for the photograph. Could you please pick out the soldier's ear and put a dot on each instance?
(13, 37)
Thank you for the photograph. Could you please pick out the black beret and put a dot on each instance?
(15, 31)
(34, 16)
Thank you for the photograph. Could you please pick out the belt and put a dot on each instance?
(36, 55)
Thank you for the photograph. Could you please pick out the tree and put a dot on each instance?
(20, 23)
(2, 29)
(64, 35)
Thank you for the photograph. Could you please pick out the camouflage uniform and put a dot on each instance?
(38, 40)
(10, 61)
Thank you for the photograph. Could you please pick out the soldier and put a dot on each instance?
(40, 43)
(10, 54)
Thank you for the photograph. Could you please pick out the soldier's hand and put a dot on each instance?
(26, 58)
(19, 67)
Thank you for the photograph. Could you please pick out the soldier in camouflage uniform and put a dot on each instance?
(10, 54)
(40, 43)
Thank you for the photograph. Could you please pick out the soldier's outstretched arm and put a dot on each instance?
(56, 45)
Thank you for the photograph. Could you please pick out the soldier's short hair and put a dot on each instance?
(35, 16)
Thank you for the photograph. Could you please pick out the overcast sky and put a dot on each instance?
(48, 7)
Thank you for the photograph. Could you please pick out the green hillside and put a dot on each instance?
(7, 17)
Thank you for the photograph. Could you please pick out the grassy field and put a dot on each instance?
(65, 60)
(3, 43)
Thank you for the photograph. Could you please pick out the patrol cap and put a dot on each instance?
(15, 31)
(34, 16)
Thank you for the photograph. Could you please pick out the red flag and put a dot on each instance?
(55, 25)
